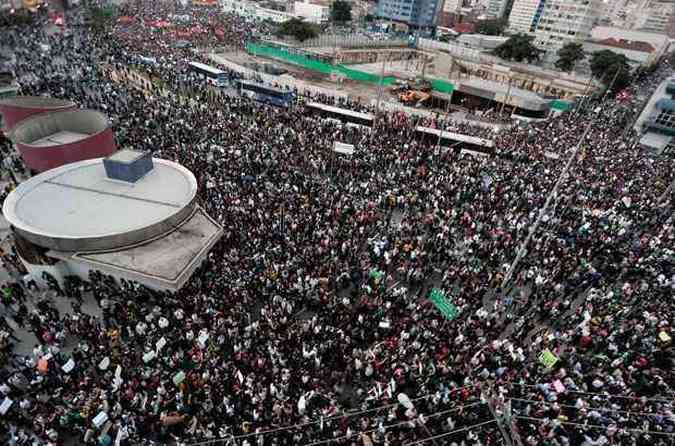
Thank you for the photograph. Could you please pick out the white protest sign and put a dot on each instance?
(6, 404)
(68, 366)
(203, 337)
(104, 364)
(100, 419)
(161, 343)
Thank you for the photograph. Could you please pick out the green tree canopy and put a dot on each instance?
(298, 29)
(606, 65)
(518, 48)
(491, 27)
(341, 11)
(569, 55)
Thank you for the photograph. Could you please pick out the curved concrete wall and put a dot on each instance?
(111, 242)
(98, 143)
(18, 108)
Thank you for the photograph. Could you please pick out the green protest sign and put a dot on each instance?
(547, 358)
(446, 308)
(376, 275)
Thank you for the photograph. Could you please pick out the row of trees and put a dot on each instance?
(605, 65)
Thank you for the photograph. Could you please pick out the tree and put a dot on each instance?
(298, 29)
(491, 27)
(569, 55)
(606, 65)
(518, 48)
(341, 11)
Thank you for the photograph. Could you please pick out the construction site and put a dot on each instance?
(424, 75)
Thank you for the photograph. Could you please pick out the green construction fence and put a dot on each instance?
(316, 65)
(327, 68)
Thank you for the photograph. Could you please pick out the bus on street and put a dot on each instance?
(457, 140)
(265, 94)
(342, 114)
(212, 75)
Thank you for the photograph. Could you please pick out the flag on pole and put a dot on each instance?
(446, 308)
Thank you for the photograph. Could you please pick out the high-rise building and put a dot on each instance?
(415, 13)
(451, 6)
(654, 15)
(554, 22)
(499, 9)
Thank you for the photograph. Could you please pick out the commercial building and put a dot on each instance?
(451, 6)
(311, 12)
(657, 120)
(653, 15)
(499, 9)
(253, 10)
(640, 48)
(129, 216)
(554, 22)
(419, 14)
(480, 41)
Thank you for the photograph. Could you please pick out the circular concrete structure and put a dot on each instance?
(51, 140)
(76, 207)
(18, 108)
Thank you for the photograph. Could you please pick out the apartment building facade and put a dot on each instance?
(555, 22)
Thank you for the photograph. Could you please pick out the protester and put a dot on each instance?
(311, 317)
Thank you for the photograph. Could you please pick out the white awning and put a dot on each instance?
(655, 140)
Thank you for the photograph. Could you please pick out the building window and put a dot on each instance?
(666, 118)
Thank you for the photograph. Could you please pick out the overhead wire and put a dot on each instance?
(606, 395)
(595, 426)
(389, 426)
(435, 437)
(320, 420)
(550, 403)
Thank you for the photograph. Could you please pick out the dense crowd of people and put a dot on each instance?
(310, 323)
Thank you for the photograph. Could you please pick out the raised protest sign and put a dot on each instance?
(446, 308)
(547, 358)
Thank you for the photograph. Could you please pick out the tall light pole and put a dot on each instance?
(554, 192)
(543, 211)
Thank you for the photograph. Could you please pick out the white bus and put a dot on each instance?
(467, 142)
(212, 75)
(342, 114)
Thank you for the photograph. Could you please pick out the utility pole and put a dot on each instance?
(379, 99)
(445, 120)
(496, 411)
(554, 192)
(508, 95)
